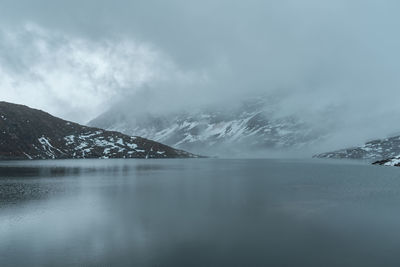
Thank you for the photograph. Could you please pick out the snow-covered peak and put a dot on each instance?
(250, 126)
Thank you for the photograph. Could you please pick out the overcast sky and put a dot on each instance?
(76, 58)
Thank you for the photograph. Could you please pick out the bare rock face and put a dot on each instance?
(27, 133)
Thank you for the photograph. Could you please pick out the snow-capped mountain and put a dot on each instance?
(251, 126)
(27, 133)
(373, 150)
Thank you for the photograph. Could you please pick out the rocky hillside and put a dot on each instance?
(27, 133)
(374, 150)
(250, 126)
(389, 162)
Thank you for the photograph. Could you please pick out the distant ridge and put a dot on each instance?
(375, 150)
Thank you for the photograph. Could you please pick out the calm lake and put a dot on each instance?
(199, 212)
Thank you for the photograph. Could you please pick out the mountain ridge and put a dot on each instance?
(27, 133)
(374, 150)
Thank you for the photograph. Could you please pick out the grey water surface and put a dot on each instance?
(199, 212)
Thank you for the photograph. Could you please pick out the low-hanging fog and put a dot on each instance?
(335, 63)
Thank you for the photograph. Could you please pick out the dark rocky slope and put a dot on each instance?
(27, 133)
(389, 162)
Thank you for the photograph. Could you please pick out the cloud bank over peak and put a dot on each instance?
(334, 63)
(77, 78)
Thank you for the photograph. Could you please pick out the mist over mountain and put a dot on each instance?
(250, 128)
(333, 64)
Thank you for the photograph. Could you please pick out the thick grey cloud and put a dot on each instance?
(336, 62)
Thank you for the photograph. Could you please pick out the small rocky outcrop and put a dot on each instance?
(389, 162)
